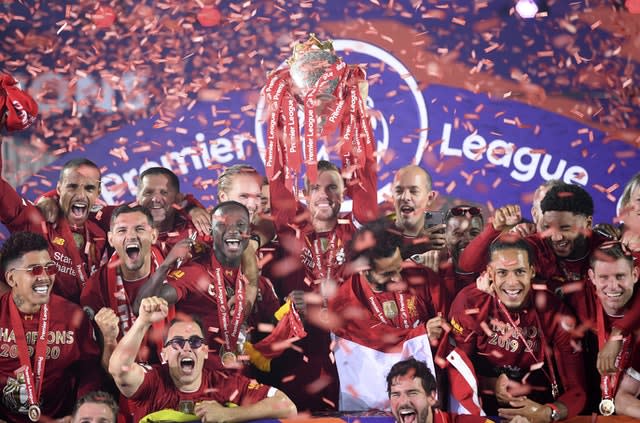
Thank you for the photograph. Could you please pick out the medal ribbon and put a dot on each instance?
(118, 297)
(310, 120)
(274, 91)
(74, 254)
(609, 383)
(33, 386)
(376, 307)
(230, 329)
(551, 376)
(318, 256)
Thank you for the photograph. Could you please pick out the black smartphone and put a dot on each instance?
(433, 218)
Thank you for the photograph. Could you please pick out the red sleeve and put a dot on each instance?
(284, 205)
(88, 368)
(16, 213)
(464, 318)
(92, 296)
(190, 202)
(269, 302)
(569, 362)
(364, 193)
(103, 217)
(474, 258)
(361, 326)
(245, 391)
(151, 386)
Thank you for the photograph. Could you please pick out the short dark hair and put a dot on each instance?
(415, 368)
(323, 166)
(158, 170)
(611, 251)
(568, 197)
(76, 163)
(128, 208)
(97, 397)
(184, 318)
(230, 203)
(376, 239)
(19, 244)
(511, 241)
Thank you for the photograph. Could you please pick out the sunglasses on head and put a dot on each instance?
(462, 210)
(38, 269)
(178, 342)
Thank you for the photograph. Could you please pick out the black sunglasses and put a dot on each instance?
(178, 342)
(38, 269)
(462, 210)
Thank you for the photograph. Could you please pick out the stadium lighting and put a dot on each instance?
(527, 9)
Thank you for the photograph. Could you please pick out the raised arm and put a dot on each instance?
(475, 256)
(156, 285)
(127, 375)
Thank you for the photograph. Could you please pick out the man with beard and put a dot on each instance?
(158, 191)
(516, 338)
(242, 183)
(76, 243)
(108, 297)
(51, 356)
(378, 317)
(562, 249)
(462, 224)
(212, 287)
(413, 196)
(412, 393)
(314, 239)
(182, 382)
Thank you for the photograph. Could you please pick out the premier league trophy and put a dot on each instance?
(332, 95)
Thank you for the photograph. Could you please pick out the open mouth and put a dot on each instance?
(407, 209)
(613, 294)
(233, 244)
(41, 289)
(78, 210)
(513, 293)
(187, 364)
(133, 251)
(562, 245)
(407, 415)
(323, 204)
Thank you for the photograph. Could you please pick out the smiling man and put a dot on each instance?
(412, 393)
(76, 244)
(516, 338)
(211, 286)
(109, 296)
(62, 363)
(182, 382)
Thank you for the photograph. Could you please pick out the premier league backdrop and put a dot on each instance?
(490, 103)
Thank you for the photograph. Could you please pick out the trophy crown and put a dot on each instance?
(312, 43)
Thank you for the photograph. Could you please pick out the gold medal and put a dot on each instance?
(607, 407)
(34, 413)
(228, 358)
(390, 309)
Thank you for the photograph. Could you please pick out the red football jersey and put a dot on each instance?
(72, 364)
